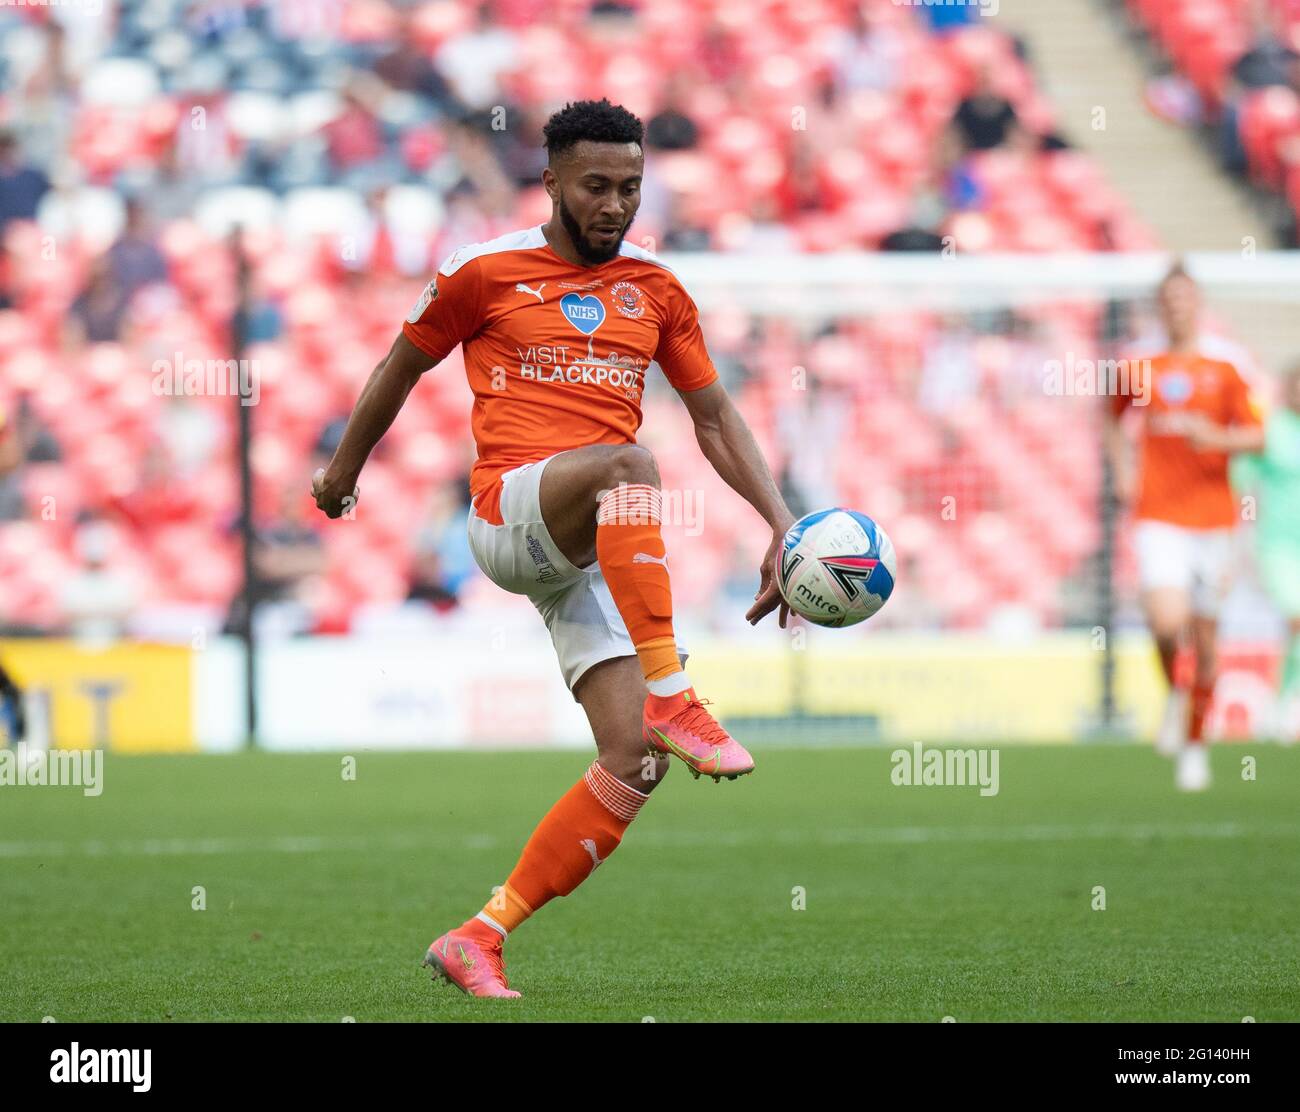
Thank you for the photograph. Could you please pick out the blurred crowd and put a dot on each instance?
(355, 144)
(1232, 68)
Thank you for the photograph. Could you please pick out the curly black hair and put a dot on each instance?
(595, 120)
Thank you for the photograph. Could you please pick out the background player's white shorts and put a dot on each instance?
(519, 556)
(1198, 561)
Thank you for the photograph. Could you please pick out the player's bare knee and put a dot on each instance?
(634, 767)
(630, 463)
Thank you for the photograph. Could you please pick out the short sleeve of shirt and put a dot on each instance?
(449, 310)
(1136, 382)
(681, 352)
(1242, 406)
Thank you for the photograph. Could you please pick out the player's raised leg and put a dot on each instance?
(603, 503)
(1168, 612)
(576, 836)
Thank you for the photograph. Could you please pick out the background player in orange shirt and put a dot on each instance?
(559, 325)
(1196, 413)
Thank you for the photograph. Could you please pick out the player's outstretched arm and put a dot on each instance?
(380, 402)
(728, 444)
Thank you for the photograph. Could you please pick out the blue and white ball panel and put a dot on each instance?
(837, 567)
(882, 583)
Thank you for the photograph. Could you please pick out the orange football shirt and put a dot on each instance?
(556, 354)
(1177, 483)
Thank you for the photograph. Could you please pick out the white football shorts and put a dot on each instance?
(1197, 561)
(520, 557)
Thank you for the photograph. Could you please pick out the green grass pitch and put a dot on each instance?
(921, 902)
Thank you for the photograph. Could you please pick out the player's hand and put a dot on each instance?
(332, 497)
(1205, 435)
(1200, 432)
(769, 595)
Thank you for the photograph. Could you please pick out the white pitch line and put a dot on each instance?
(670, 839)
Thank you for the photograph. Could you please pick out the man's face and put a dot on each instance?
(1180, 304)
(596, 188)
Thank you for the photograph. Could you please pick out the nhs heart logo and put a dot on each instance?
(584, 310)
(1175, 387)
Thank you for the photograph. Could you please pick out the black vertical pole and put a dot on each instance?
(1112, 329)
(1106, 595)
(247, 539)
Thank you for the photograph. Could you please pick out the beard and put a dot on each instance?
(591, 253)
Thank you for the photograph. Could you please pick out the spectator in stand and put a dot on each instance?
(943, 18)
(288, 549)
(134, 259)
(685, 233)
(985, 120)
(801, 190)
(354, 139)
(24, 438)
(671, 129)
(522, 158)
(97, 600)
(288, 558)
(474, 62)
(21, 186)
(1269, 61)
(98, 315)
(190, 435)
(47, 92)
(868, 54)
(160, 497)
(443, 562)
(409, 70)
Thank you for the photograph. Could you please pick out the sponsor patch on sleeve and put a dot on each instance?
(430, 294)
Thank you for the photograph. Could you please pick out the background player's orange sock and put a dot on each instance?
(577, 834)
(1202, 695)
(630, 549)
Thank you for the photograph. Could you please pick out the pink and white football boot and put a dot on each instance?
(476, 967)
(679, 724)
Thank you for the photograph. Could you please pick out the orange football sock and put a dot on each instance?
(634, 561)
(576, 835)
(1202, 696)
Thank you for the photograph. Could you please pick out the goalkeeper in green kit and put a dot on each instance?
(1274, 475)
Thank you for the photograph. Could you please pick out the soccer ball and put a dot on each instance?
(836, 567)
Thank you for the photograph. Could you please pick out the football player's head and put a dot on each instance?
(593, 175)
(1179, 302)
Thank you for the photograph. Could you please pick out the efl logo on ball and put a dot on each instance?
(836, 568)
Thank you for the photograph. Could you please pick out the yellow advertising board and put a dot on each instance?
(125, 697)
(906, 687)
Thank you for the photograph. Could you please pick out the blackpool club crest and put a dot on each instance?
(628, 299)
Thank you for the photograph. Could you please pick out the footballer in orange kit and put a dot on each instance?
(559, 325)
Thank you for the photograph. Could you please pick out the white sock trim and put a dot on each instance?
(669, 685)
(492, 923)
